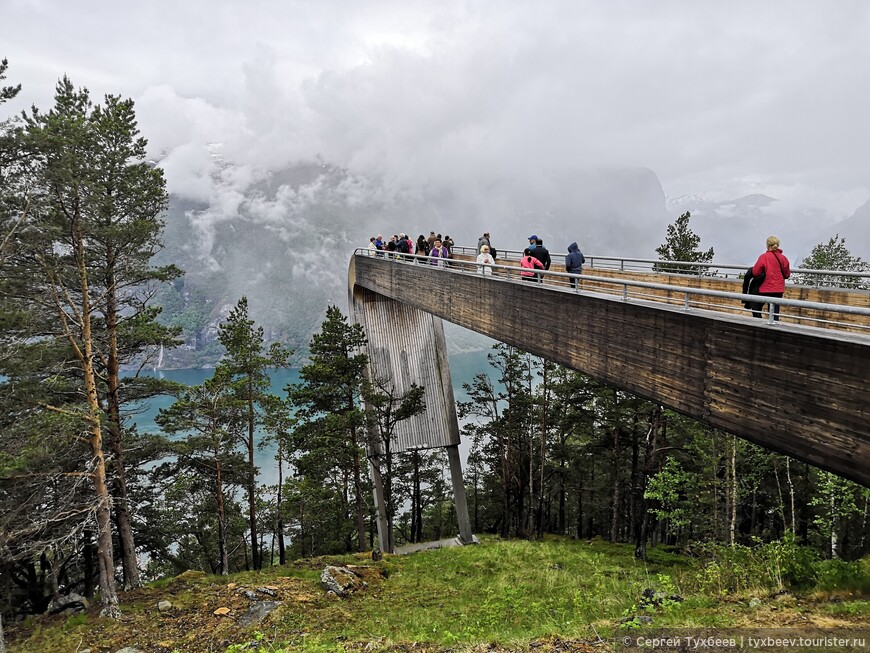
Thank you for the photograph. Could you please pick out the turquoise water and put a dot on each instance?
(463, 368)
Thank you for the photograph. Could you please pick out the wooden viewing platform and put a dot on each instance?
(799, 390)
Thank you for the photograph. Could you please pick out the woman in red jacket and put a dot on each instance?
(776, 270)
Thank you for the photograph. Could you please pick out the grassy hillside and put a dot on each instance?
(558, 594)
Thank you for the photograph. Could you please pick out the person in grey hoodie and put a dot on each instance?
(574, 262)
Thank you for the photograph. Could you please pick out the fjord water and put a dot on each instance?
(463, 368)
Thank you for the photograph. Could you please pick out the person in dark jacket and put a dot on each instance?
(540, 252)
(750, 287)
(776, 270)
(422, 246)
(402, 245)
(574, 262)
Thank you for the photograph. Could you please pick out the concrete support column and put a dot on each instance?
(384, 541)
(465, 533)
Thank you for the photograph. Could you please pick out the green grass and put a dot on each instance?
(501, 593)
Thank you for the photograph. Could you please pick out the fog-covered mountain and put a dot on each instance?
(856, 230)
(284, 238)
(737, 228)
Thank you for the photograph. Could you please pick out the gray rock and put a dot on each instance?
(163, 606)
(266, 591)
(653, 598)
(641, 619)
(754, 602)
(69, 604)
(130, 649)
(257, 612)
(341, 580)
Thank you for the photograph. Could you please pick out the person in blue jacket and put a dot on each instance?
(574, 263)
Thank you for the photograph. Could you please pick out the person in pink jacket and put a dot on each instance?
(528, 263)
(776, 270)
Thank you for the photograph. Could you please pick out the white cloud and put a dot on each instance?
(461, 95)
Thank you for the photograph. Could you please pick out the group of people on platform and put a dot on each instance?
(537, 257)
(435, 247)
(764, 279)
(439, 250)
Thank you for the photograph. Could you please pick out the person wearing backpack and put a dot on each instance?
(402, 245)
(422, 247)
(775, 268)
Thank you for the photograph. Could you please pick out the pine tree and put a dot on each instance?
(247, 362)
(681, 245)
(279, 422)
(504, 434)
(12, 214)
(7, 92)
(77, 278)
(211, 418)
(50, 269)
(332, 423)
(833, 255)
(129, 199)
(385, 408)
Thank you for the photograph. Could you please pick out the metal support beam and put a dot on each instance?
(465, 534)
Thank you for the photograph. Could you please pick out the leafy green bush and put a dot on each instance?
(773, 565)
(841, 575)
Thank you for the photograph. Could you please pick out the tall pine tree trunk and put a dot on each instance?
(562, 491)
(864, 521)
(418, 500)
(85, 354)
(105, 553)
(733, 521)
(642, 533)
(505, 454)
(616, 498)
(88, 555)
(779, 494)
(113, 400)
(790, 492)
(256, 559)
(282, 549)
(636, 495)
(359, 503)
(545, 411)
(222, 521)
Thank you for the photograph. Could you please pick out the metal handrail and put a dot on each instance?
(628, 289)
(625, 264)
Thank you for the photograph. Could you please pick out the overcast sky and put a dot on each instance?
(719, 98)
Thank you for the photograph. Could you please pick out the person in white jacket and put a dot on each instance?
(485, 261)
